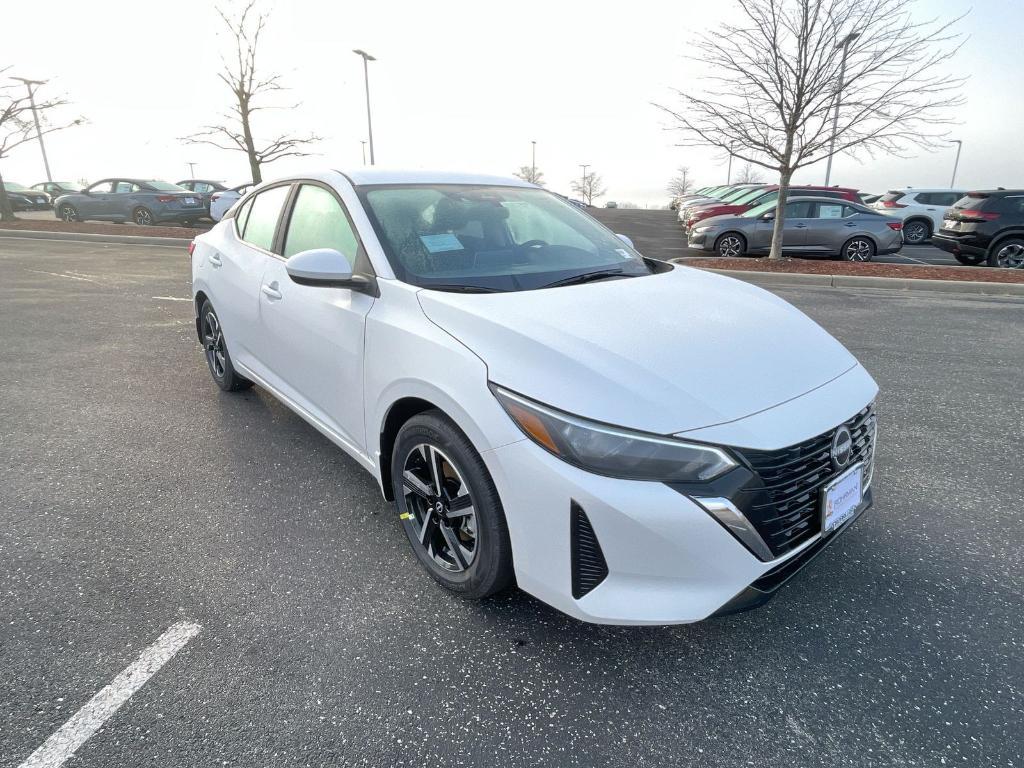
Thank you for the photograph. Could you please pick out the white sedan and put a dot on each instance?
(221, 202)
(631, 441)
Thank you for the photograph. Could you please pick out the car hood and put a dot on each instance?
(666, 353)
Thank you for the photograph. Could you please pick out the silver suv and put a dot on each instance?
(922, 210)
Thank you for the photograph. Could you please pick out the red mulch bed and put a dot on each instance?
(97, 228)
(822, 267)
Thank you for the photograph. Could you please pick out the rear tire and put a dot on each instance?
(468, 552)
(1007, 254)
(215, 348)
(731, 246)
(858, 249)
(916, 231)
(143, 217)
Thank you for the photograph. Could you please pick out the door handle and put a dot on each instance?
(215, 259)
(800, 226)
(271, 292)
(849, 224)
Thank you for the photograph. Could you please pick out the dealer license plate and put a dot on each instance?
(190, 201)
(841, 498)
(950, 224)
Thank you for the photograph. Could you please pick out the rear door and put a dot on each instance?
(799, 216)
(236, 269)
(311, 338)
(828, 226)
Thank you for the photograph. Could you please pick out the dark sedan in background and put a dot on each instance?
(22, 198)
(143, 201)
(205, 188)
(814, 226)
(57, 188)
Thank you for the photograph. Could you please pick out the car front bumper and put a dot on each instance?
(702, 241)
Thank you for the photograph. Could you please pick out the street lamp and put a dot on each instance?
(191, 170)
(956, 163)
(533, 162)
(583, 182)
(39, 133)
(366, 79)
(845, 45)
(364, 150)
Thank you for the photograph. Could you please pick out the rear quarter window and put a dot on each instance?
(891, 197)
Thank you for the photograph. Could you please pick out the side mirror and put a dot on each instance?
(770, 216)
(324, 268)
(626, 240)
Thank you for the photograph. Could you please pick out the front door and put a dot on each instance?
(93, 205)
(311, 338)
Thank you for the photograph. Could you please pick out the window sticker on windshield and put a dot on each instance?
(441, 243)
(622, 252)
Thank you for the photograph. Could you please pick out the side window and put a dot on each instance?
(800, 210)
(242, 216)
(262, 215)
(199, 186)
(124, 187)
(319, 221)
(849, 210)
(947, 198)
(102, 186)
(831, 210)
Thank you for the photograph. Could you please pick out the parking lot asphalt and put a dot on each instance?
(656, 233)
(136, 495)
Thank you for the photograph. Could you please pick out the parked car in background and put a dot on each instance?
(718, 196)
(473, 343)
(143, 201)
(985, 226)
(221, 202)
(57, 188)
(204, 188)
(814, 226)
(611, 204)
(22, 198)
(868, 198)
(758, 196)
(922, 210)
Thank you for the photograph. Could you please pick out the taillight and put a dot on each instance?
(164, 198)
(191, 248)
(895, 225)
(892, 204)
(977, 216)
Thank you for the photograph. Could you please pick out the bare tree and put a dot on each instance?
(748, 174)
(589, 187)
(17, 126)
(794, 82)
(531, 174)
(681, 183)
(250, 89)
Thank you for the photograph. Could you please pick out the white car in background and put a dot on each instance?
(922, 210)
(631, 441)
(221, 202)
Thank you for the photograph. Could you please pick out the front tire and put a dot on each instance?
(143, 217)
(731, 246)
(69, 213)
(916, 232)
(449, 507)
(858, 249)
(1008, 254)
(215, 348)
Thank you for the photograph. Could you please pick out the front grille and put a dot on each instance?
(785, 509)
(588, 564)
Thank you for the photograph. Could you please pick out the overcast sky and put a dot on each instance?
(462, 85)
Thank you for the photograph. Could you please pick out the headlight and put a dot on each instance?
(611, 451)
(708, 228)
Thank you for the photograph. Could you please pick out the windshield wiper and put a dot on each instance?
(462, 288)
(586, 277)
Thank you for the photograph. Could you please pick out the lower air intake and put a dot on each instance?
(588, 564)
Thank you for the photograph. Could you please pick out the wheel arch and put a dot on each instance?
(397, 414)
(200, 299)
(737, 233)
(921, 218)
(999, 239)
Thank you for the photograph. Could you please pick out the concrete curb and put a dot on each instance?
(976, 287)
(89, 237)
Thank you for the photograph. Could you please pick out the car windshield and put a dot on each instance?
(753, 213)
(492, 238)
(164, 186)
(749, 195)
(71, 186)
(10, 186)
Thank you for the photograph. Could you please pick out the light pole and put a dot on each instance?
(364, 150)
(845, 45)
(39, 133)
(956, 163)
(728, 174)
(191, 170)
(366, 79)
(533, 162)
(583, 183)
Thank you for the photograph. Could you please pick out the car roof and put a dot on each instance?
(909, 190)
(370, 176)
(995, 192)
(820, 199)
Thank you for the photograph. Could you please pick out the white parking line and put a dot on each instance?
(171, 298)
(101, 707)
(61, 274)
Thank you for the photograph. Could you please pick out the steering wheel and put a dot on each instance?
(534, 244)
